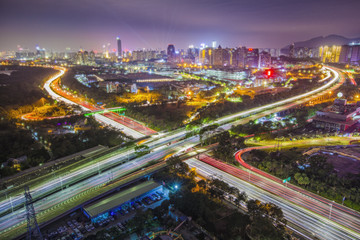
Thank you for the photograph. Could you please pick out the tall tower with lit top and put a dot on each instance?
(119, 50)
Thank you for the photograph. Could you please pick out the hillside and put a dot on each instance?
(320, 41)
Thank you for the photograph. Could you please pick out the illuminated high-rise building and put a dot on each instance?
(252, 58)
(171, 50)
(206, 56)
(119, 50)
(193, 53)
(330, 54)
(239, 57)
(265, 59)
(92, 57)
(213, 44)
(221, 57)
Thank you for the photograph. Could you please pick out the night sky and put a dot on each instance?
(88, 24)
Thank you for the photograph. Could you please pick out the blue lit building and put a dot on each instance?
(124, 199)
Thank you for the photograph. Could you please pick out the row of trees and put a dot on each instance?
(313, 173)
(139, 98)
(66, 144)
(52, 111)
(204, 201)
(161, 117)
(23, 87)
(227, 144)
(224, 107)
(18, 141)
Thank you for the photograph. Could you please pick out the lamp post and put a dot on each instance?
(61, 182)
(331, 204)
(12, 208)
(249, 170)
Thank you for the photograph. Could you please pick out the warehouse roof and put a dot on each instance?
(115, 200)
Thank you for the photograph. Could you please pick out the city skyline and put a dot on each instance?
(154, 25)
(179, 119)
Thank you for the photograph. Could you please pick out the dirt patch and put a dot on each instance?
(344, 165)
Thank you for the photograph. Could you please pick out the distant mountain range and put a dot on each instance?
(320, 41)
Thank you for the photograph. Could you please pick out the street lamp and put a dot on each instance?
(331, 204)
(60, 178)
(249, 172)
(12, 207)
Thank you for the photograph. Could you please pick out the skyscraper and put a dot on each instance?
(213, 44)
(252, 58)
(171, 51)
(330, 54)
(350, 54)
(119, 50)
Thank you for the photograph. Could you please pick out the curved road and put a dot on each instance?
(159, 147)
(340, 214)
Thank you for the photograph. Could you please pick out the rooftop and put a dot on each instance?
(115, 200)
(143, 76)
(341, 107)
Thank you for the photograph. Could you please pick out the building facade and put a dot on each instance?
(338, 117)
(350, 54)
(330, 54)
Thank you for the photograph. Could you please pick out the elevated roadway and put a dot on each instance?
(78, 179)
(314, 224)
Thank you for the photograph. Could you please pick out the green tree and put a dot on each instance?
(301, 178)
(267, 221)
(141, 150)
